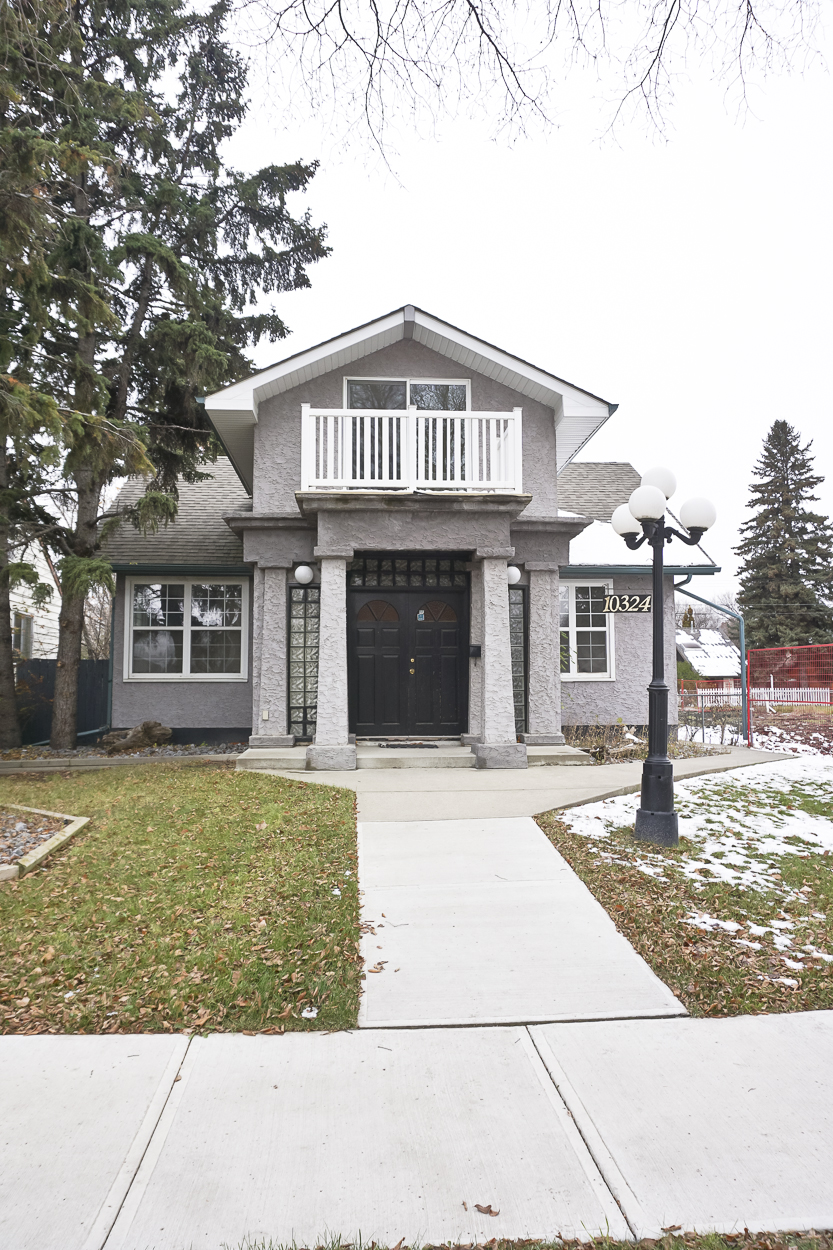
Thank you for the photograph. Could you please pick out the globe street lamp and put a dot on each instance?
(642, 520)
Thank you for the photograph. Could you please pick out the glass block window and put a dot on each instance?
(188, 628)
(304, 617)
(586, 632)
(404, 570)
(517, 644)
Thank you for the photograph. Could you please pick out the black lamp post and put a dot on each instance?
(642, 520)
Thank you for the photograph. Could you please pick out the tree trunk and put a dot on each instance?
(65, 703)
(71, 621)
(9, 720)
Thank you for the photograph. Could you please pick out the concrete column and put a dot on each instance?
(498, 747)
(475, 729)
(332, 747)
(544, 676)
(269, 667)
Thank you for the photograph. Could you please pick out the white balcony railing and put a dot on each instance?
(410, 450)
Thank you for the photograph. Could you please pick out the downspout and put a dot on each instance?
(718, 607)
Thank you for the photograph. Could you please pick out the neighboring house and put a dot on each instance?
(710, 654)
(345, 573)
(35, 629)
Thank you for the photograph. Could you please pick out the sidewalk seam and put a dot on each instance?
(104, 1224)
(620, 1190)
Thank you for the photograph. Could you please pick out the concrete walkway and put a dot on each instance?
(627, 1124)
(447, 794)
(483, 922)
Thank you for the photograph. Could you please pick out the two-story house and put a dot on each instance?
(383, 557)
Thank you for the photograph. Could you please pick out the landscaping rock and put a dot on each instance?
(148, 734)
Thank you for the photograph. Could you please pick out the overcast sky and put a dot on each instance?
(688, 280)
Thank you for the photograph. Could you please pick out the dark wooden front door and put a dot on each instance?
(408, 659)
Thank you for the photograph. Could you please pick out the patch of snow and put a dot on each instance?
(702, 920)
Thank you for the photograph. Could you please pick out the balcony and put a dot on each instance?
(411, 450)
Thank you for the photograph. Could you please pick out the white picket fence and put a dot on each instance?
(714, 697)
(350, 449)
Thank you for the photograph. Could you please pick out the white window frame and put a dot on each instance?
(572, 586)
(171, 579)
(466, 382)
(27, 627)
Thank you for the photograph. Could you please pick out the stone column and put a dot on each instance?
(475, 665)
(269, 660)
(332, 747)
(544, 677)
(498, 747)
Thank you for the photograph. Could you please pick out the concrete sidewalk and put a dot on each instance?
(448, 794)
(625, 1127)
(483, 922)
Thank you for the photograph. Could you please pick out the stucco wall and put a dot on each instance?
(425, 526)
(188, 704)
(626, 698)
(277, 450)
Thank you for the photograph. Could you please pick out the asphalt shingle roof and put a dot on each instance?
(596, 488)
(199, 535)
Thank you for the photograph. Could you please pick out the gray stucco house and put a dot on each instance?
(346, 573)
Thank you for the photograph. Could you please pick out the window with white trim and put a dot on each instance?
(424, 394)
(22, 636)
(586, 632)
(186, 629)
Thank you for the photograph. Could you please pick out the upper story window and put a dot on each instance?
(424, 395)
(586, 632)
(187, 629)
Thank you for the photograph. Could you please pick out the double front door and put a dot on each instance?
(408, 661)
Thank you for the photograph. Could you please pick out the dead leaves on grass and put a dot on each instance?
(143, 933)
(710, 972)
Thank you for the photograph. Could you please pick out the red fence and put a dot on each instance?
(791, 698)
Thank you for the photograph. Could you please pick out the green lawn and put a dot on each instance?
(739, 918)
(196, 898)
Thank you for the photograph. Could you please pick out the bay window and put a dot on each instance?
(186, 629)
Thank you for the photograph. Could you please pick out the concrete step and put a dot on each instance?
(281, 759)
(415, 757)
(557, 755)
(294, 759)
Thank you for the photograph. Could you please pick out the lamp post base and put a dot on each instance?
(657, 827)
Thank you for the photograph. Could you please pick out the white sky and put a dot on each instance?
(688, 280)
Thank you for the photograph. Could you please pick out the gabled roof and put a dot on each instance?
(233, 411)
(199, 535)
(709, 653)
(596, 489)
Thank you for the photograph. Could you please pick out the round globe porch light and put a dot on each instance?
(647, 503)
(624, 522)
(304, 574)
(513, 574)
(698, 514)
(642, 520)
(663, 479)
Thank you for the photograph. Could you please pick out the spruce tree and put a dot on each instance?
(786, 550)
(155, 252)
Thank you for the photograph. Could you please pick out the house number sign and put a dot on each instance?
(628, 603)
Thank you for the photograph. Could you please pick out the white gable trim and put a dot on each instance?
(233, 411)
